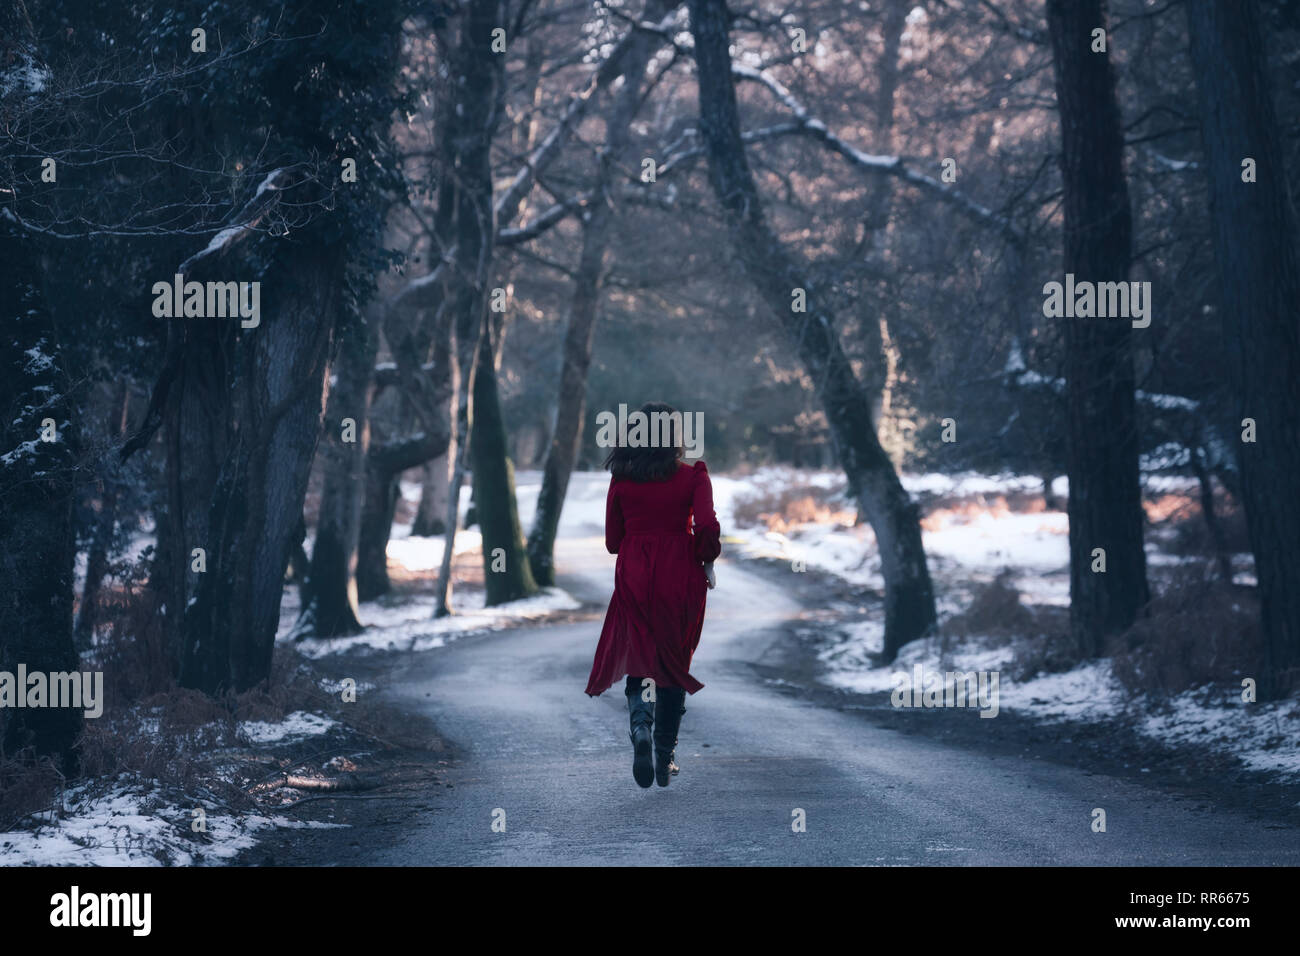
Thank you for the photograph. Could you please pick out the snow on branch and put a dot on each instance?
(507, 205)
(809, 125)
(544, 220)
(248, 218)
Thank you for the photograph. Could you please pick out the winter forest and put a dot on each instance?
(312, 312)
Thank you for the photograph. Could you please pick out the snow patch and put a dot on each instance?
(297, 726)
(134, 824)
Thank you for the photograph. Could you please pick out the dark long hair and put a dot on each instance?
(648, 463)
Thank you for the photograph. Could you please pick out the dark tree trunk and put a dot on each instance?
(384, 464)
(471, 107)
(1050, 501)
(38, 482)
(909, 596)
(331, 608)
(1205, 482)
(1258, 256)
(507, 576)
(195, 432)
(566, 436)
(101, 540)
(1105, 503)
(278, 402)
(379, 504)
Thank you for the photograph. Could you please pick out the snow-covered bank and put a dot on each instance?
(138, 824)
(411, 626)
(408, 624)
(1264, 736)
(128, 820)
(978, 529)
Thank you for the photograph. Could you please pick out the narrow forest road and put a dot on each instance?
(530, 743)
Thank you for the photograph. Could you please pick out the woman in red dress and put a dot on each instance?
(659, 520)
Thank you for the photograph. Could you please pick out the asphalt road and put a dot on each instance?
(530, 743)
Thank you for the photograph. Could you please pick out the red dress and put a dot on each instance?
(655, 617)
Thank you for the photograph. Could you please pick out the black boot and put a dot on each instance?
(642, 715)
(670, 704)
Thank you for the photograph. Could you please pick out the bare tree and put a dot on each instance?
(598, 222)
(776, 274)
(1105, 503)
(1258, 255)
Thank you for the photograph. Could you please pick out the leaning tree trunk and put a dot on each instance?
(566, 437)
(331, 607)
(1105, 502)
(775, 273)
(506, 567)
(571, 402)
(876, 235)
(1258, 257)
(37, 494)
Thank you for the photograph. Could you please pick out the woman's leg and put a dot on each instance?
(641, 714)
(670, 704)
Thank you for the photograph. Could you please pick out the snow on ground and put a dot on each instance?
(296, 726)
(409, 625)
(962, 544)
(132, 824)
(1088, 692)
(976, 544)
(1264, 736)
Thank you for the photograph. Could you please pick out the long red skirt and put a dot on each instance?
(656, 615)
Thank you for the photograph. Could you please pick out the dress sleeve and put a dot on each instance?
(613, 520)
(705, 521)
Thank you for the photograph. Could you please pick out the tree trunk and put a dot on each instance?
(566, 437)
(429, 390)
(384, 464)
(1205, 482)
(196, 430)
(909, 596)
(278, 403)
(379, 504)
(431, 516)
(1105, 502)
(890, 420)
(1258, 258)
(470, 104)
(331, 608)
(101, 541)
(571, 402)
(38, 481)
(506, 573)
